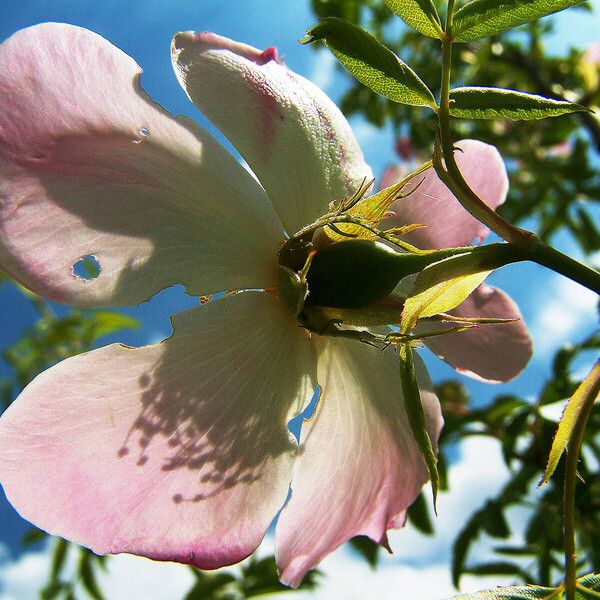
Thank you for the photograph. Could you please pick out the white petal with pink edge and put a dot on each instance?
(492, 352)
(432, 203)
(359, 468)
(90, 166)
(177, 451)
(292, 135)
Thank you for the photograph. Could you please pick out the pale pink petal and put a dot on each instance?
(431, 203)
(89, 165)
(592, 54)
(359, 468)
(291, 134)
(177, 451)
(494, 352)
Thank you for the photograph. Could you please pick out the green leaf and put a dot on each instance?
(441, 287)
(482, 18)
(87, 575)
(367, 548)
(586, 393)
(418, 515)
(33, 536)
(419, 14)
(59, 556)
(371, 62)
(529, 592)
(416, 416)
(106, 322)
(588, 586)
(498, 103)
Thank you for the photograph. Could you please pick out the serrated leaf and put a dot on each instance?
(441, 287)
(584, 396)
(589, 583)
(483, 18)
(372, 63)
(419, 14)
(416, 416)
(528, 592)
(498, 103)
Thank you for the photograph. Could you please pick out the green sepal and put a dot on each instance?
(499, 103)
(482, 18)
(416, 416)
(372, 63)
(418, 14)
(440, 288)
(291, 289)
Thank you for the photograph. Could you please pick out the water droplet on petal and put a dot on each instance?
(144, 131)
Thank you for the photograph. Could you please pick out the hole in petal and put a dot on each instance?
(144, 132)
(86, 268)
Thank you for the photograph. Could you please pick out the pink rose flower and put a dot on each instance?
(180, 450)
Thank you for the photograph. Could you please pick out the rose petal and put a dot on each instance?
(494, 352)
(359, 468)
(448, 223)
(177, 451)
(89, 165)
(291, 134)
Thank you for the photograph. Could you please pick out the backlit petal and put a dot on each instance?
(359, 468)
(177, 451)
(291, 134)
(431, 203)
(494, 352)
(90, 166)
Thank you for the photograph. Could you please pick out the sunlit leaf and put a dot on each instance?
(372, 63)
(587, 393)
(529, 592)
(419, 14)
(441, 287)
(483, 18)
(498, 103)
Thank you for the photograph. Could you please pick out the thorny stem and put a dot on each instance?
(592, 391)
(447, 169)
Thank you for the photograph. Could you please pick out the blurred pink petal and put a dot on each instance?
(90, 165)
(292, 135)
(359, 468)
(177, 451)
(592, 53)
(493, 352)
(449, 224)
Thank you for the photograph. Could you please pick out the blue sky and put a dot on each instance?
(556, 311)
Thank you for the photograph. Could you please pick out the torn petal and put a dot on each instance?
(90, 166)
(359, 468)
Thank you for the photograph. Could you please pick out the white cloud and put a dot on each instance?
(23, 578)
(564, 309)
